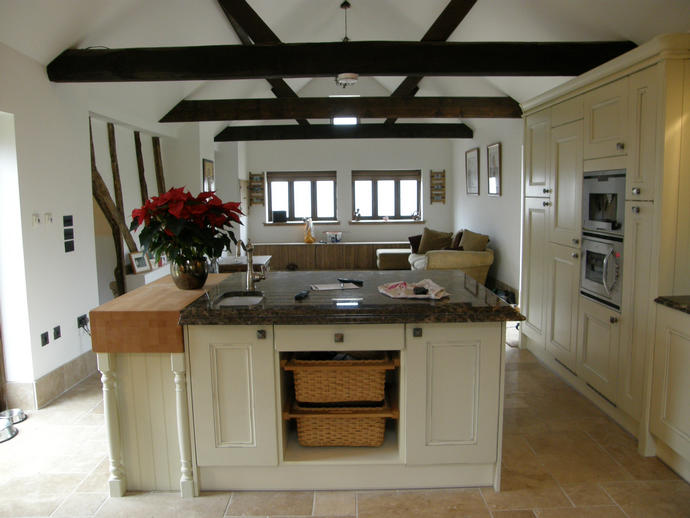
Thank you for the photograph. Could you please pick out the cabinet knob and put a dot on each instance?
(261, 334)
(546, 191)
(636, 210)
(576, 241)
(574, 255)
(339, 338)
(620, 146)
(613, 320)
(546, 204)
(417, 332)
(636, 191)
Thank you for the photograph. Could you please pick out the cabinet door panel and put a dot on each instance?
(635, 309)
(533, 293)
(597, 348)
(537, 131)
(641, 166)
(233, 394)
(563, 285)
(566, 181)
(606, 120)
(452, 395)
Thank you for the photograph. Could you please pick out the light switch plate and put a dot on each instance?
(48, 218)
(35, 219)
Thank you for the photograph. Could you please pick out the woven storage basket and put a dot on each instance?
(340, 381)
(341, 426)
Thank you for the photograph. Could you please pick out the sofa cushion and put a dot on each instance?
(455, 245)
(473, 242)
(414, 242)
(417, 261)
(434, 240)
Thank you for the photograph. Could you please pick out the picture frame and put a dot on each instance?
(472, 171)
(140, 263)
(493, 165)
(208, 175)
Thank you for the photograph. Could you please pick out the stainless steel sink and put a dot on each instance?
(238, 298)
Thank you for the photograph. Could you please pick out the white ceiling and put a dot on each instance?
(41, 29)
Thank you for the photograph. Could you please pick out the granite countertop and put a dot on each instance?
(679, 302)
(469, 301)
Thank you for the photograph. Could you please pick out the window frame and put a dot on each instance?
(298, 176)
(397, 176)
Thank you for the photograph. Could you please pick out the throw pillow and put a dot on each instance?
(473, 242)
(455, 245)
(414, 242)
(434, 240)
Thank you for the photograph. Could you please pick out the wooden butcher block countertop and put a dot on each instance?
(145, 320)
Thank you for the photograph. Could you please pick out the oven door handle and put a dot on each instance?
(605, 273)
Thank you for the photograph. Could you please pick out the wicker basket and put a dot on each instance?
(340, 381)
(341, 426)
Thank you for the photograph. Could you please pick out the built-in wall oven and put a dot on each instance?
(603, 202)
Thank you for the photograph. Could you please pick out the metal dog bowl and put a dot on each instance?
(15, 415)
(7, 431)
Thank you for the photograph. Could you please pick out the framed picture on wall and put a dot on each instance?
(140, 263)
(472, 171)
(493, 161)
(208, 175)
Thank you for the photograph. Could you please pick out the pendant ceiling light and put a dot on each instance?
(345, 79)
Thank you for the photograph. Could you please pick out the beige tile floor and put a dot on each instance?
(562, 458)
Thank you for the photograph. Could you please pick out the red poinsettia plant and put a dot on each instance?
(186, 227)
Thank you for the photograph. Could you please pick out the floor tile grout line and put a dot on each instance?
(614, 500)
(227, 506)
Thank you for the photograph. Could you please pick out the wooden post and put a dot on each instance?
(117, 184)
(158, 162)
(116, 482)
(186, 474)
(140, 166)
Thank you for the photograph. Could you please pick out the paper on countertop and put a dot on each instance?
(404, 290)
(334, 286)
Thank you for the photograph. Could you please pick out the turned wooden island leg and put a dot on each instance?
(116, 482)
(186, 477)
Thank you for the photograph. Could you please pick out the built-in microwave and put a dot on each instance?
(603, 202)
(602, 269)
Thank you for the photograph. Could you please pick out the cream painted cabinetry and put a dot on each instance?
(606, 120)
(597, 347)
(452, 398)
(537, 133)
(563, 281)
(534, 281)
(565, 207)
(233, 395)
(670, 412)
(635, 309)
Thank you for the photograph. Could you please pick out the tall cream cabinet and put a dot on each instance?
(634, 114)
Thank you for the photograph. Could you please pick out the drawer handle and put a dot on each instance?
(546, 203)
(339, 338)
(417, 332)
(576, 241)
(546, 191)
(636, 191)
(574, 255)
(620, 146)
(261, 334)
(636, 210)
(613, 320)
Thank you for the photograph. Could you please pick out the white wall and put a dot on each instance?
(498, 217)
(344, 156)
(51, 130)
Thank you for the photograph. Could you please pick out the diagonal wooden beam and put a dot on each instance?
(328, 131)
(328, 107)
(143, 189)
(251, 29)
(440, 30)
(369, 58)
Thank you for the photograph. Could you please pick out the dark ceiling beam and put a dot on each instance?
(327, 107)
(440, 30)
(251, 29)
(328, 131)
(368, 58)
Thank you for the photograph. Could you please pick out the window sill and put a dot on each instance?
(301, 223)
(389, 222)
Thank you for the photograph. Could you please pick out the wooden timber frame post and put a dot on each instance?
(140, 167)
(115, 218)
(158, 163)
(117, 186)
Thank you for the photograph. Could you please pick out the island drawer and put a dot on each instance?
(346, 337)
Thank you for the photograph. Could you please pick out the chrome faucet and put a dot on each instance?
(252, 276)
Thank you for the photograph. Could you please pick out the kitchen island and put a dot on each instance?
(223, 421)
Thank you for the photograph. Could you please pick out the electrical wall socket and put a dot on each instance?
(44, 339)
(82, 321)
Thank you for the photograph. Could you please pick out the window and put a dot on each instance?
(302, 195)
(386, 194)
